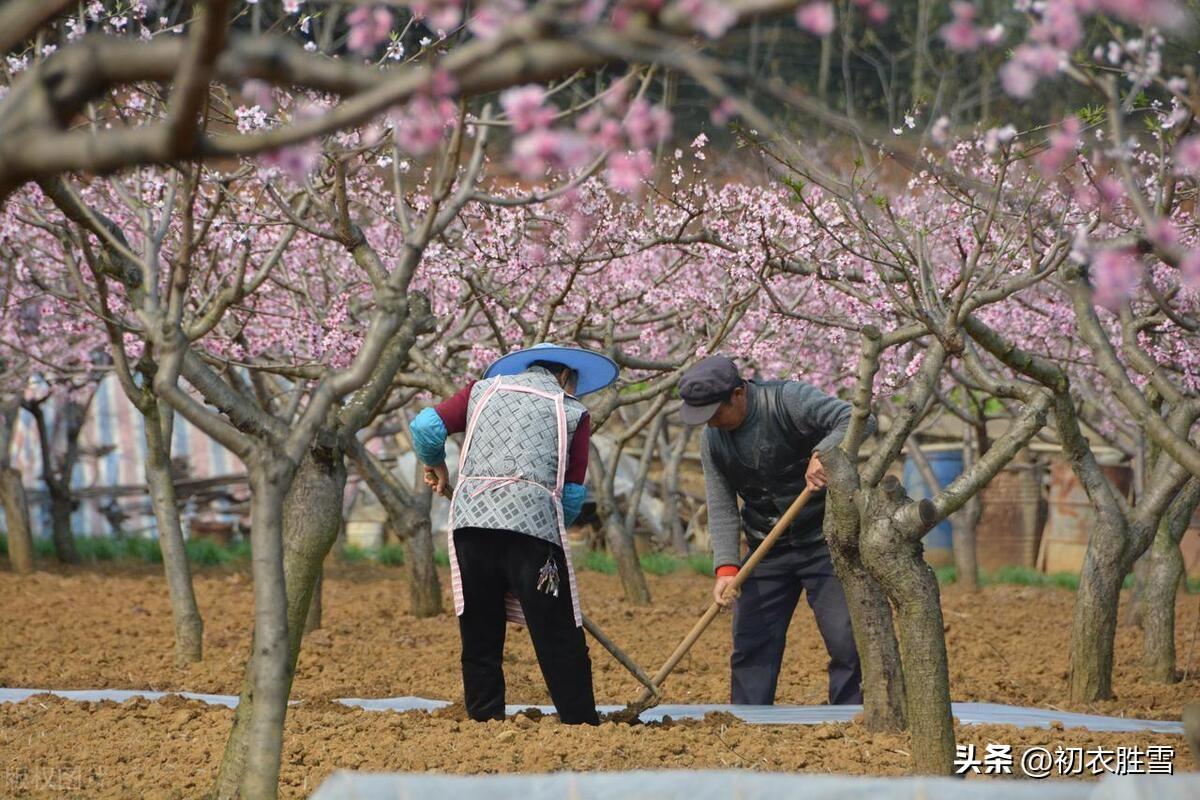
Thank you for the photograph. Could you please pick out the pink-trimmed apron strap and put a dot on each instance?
(455, 578)
(560, 409)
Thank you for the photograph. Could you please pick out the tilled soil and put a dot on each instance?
(51, 747)
(110, 627)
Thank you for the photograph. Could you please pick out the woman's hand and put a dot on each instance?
(438, 479)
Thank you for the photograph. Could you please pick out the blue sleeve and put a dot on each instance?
(573, 495)
(429, 437)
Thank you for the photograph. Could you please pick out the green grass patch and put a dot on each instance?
(652, 563)
(353, 554)
(208, 553)
(442, 558)
(3, 545)
(1020, 576)
(99, 548)
(390, 555)
(146, 550)
(597, 561)
(659, 563)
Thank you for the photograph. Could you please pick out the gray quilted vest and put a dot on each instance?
(765, 461)
(509, 473)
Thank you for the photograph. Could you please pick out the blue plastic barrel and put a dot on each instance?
(947, 465)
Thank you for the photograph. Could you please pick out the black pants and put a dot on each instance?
(760, 621)
(491, 563)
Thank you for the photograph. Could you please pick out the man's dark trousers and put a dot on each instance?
(490, 564)
(763, 611)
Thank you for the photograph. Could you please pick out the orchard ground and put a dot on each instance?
(108, 626)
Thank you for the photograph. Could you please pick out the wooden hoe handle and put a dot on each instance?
(711, 612)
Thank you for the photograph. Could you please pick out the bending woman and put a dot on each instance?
(520, 483)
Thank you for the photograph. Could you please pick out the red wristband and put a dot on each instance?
(727, 571)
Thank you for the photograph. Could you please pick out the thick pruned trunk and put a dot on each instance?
(1095, 621)
(1117, 538)
(310, 515)
(185, 614)
(870, 614)
(424, 586)
(16, 519)
(1121, 534)
(1163, 574)
(898, 564)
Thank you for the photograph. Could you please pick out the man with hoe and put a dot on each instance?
(763, 444)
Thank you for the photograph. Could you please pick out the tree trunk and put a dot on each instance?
(826, 60)
(185, 614)
(1191, 729)
(1095, 622)
(986, 79)
(311, 516)
(899, 566)
(312, 621)
(270, 666)
(672, 519)
(425, 589)
(650, 443)
(617, 537)
(870, 613)
(60, 449)
(964, 524)
(620, 544)
(1164, 571)
(920, 52)
(1135, 606)
(16, 518)
(60, 523)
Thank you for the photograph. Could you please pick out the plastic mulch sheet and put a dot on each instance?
(966, 713)
(744, 785)
(115, 695)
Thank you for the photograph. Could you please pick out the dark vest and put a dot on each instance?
(764, 461)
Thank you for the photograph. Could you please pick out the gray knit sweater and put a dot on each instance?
(810, 409)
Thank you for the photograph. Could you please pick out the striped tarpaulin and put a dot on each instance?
(113, 421)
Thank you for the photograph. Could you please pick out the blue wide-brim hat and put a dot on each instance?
(596, 371)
